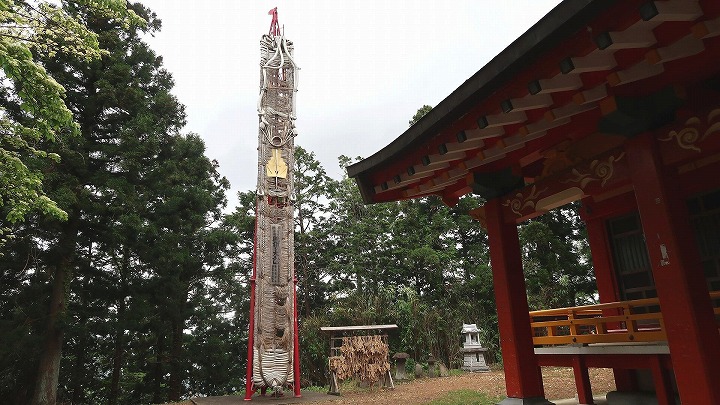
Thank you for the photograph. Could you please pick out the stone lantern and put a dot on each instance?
(473, 352)
(400, 361)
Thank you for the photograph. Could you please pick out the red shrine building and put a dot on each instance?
(615, 104)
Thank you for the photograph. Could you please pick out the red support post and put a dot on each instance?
(249, 390)
(582, 381)
(661, 379)
(296, 344)
(523, 378)
(249, 386)
(595, 216)
(679, 279)
(601, 254)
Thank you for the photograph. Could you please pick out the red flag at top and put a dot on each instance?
(274, 25)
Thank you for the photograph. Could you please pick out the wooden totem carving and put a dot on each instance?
(273, 351)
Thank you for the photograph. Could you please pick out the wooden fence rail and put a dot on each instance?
(614, 322)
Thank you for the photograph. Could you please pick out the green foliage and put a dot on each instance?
(154, 277)
(32, 102)
(465, 397)
(421, 112)
(557, 268)
(144, 247)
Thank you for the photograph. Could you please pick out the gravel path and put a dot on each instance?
(559, 384)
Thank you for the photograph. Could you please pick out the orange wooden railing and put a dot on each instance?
(614, 322)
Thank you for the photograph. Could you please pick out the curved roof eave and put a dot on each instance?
(565, 19)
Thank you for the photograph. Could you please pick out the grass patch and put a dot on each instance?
(315, 388)
(456, 372)
(465, 397)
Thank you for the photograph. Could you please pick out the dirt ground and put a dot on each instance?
(559, 384)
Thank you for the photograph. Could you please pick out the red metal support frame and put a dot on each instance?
(296, 344)
(680, 282)
(522, 374)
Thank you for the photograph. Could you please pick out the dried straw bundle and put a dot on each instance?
(363, 357)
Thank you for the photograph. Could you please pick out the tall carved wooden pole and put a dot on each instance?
(273, 357)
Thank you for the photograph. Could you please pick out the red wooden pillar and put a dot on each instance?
(601, 255)
(523, 379)
(661, 379)
(595, 216)
(582, 381)
(679, 279)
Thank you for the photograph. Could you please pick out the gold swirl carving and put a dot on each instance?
(689, 136)
(520, 202)
(604, 170)
(600, 171)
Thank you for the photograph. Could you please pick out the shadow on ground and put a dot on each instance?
(307, 396)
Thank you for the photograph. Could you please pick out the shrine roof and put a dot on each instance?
(583, 79)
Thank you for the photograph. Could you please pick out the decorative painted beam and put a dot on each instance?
(697, 136)
(489, 156)
(593, 62)
(481, 133)
(671, 10)
(707, 29)
(458, 171)
(542, 126)
(469, 144)
(530, 102)
(447, 156)
(534, 136)
(588, 96)
(634, 37)
(639, 71)
(401, 180)
(560, 82)
(687, 46)
(430, 167)
(498, 120)
(391, 184)
(568, 111)
(439, 183)
(605, 172)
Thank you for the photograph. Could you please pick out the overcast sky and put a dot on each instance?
(366, 67)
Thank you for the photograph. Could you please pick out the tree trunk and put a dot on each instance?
(118, 354)
(176, 354)
(45, 391)
(119, 350)
(79, 369)
(306, 292)
(157, 369)
(46, 381)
